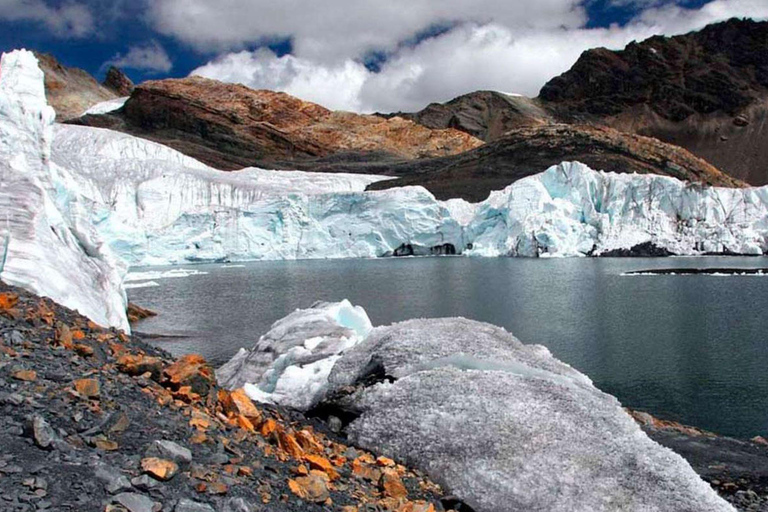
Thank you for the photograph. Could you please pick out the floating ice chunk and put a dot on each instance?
(290, 364)
(162, 274)
(147, 284)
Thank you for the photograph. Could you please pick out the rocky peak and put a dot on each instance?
(70, 91)
(722, 68)
(118, 82)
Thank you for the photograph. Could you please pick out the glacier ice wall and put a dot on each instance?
(52, 247)
(493, 420)
(156, 206)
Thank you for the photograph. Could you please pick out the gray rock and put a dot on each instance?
(114, 481)
(238, 505)
(42, 433)
(134, 502)
(144, 482)
(185, 505)
(171, 451)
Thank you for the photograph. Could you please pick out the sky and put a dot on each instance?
(358, 55)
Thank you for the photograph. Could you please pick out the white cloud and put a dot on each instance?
(333, 30)
(67, 20)
(471, 56)
(148, 57)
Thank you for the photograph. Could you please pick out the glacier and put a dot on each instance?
(155, 206)
(492, 420)
(50, 246)
(103, 200)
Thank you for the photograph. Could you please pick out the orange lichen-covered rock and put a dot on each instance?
(287, 442)
(160, 469)
(312, 488)
(193, 371)
(25, 375)
(391, 484)
(237, 403)
(88, 388)
(321, 464)
(139, 364)
(362, 469)
(268, 427)
(308, 441)
(8, 300)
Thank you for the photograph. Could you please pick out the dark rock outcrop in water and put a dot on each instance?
(527, 151)
(70, 91)
(644, 250)
(94, 420)
(706, 91)
(230, 126)
(117, 82)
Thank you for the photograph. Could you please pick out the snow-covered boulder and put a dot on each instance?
(290, 364)
(52, 248)
(506, 426)
(502, 425)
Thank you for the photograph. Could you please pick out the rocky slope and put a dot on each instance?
(706, 91)
(230, 126)
(71, 91)
(91, 419)
(523, 152)
(486, 115)
(116, 81)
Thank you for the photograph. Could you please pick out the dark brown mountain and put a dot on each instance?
(70, 91)
(706, 91)
(486, 115)
(117, 82)
(526, 151)
(230, 126)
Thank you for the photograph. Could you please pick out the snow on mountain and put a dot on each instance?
(51, 247)
(105, 107)
(494, 420)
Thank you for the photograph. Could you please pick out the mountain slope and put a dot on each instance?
(706, 91)
(70, 91)
(230, 126)
(526, 151)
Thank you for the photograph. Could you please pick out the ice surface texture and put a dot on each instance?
(290, 364)
(53, 249)
(502, 425)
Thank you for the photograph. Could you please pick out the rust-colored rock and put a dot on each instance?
(238, 403)
(136, 313)
(321, 464)
(191, 370)
(8, 300)
(391, 484)
(139, 364)
(287, 442)
(161, 469)
(88, 388)
(83, 350)
(312, 488)
(25, 375)
(362, 469)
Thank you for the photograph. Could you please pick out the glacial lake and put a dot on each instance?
(691, 348)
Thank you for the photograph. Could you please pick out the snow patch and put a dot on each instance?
(106, 107)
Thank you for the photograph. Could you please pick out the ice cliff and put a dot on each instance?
(502, 425)
(156, 206)
(50, 245)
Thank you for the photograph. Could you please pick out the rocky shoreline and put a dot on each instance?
(92, 419)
